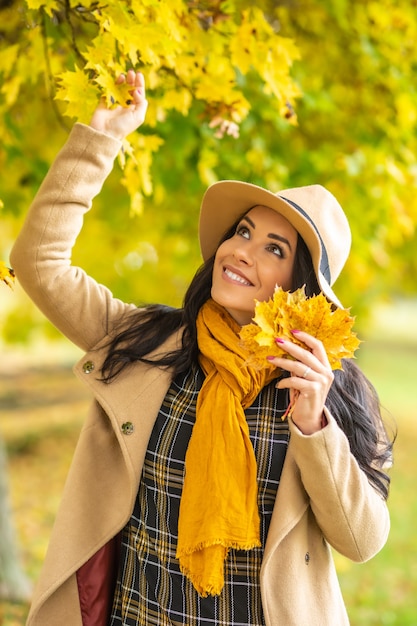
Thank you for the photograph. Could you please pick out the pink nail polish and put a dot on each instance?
(295, 331)
(279, 340)
(270, 358)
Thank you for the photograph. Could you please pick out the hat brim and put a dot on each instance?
(226, 201)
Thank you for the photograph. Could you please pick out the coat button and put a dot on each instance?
(88, 367)
(127, 428)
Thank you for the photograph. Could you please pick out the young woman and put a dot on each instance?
(189, 500)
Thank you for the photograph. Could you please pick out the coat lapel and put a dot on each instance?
(290, 504)
(131, 401)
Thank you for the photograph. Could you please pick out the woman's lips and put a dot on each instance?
(236, 278)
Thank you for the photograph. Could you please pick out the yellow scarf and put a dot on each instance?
(219, 503)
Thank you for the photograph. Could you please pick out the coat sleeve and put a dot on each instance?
(352, 515)
(77, 305)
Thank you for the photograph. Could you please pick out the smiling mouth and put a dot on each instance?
(236, 277)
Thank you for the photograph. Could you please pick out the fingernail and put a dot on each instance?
(295, 331)
(279, 340)
(270, 358)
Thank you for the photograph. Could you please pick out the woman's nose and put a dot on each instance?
(244, 253)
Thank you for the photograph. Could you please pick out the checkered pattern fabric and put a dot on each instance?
(151, 589)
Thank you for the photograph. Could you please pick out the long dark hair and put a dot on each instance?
(352, 400)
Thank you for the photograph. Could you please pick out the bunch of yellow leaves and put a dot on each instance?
(6, 275)
(287, 311)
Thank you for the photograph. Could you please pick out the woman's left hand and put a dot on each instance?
(311, 376)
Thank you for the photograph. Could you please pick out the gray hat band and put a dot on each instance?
(324, 261)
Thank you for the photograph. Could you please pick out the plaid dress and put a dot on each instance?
(150, 588)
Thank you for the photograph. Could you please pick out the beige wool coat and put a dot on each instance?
(323, 500)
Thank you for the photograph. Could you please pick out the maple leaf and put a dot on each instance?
(113, 93)
(78, 91)
(287, 311)
(6, 275)
(49, 6)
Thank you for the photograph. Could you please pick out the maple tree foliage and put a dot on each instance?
(190, 52)
(360, 109)
(278, 93)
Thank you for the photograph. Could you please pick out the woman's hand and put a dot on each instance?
(310, 380)
(121, 121)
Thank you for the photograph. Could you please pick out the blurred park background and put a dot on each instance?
(280, 94)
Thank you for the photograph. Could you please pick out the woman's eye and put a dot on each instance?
(276, 249)
(243, 231)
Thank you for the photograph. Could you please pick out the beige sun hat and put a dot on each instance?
(312, 210)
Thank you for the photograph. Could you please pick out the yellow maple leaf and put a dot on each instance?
(137, 169)
(113, 93)
(287, 311)
(6, 275)
(78, 91)
(49, 6)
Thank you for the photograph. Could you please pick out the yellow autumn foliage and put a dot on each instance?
(6, 275)
(287, 311)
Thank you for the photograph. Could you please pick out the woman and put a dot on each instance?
(189, 500)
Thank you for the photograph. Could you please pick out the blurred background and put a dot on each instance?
(279, 94)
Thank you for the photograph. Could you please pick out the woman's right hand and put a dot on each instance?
(121, 121)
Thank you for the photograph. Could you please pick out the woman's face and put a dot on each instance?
(248, 266)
